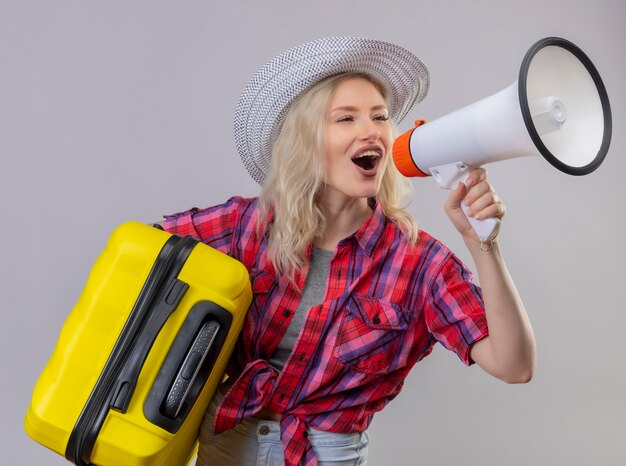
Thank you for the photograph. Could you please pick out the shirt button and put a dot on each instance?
(376, 320)
(286, 313)
(264, 430)
(302, 356)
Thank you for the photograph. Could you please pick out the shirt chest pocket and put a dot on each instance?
(371, 334)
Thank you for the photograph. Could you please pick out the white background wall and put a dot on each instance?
(117, 110)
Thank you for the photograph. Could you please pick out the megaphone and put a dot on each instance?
(558, 108)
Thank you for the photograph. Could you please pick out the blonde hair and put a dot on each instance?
(290, 193)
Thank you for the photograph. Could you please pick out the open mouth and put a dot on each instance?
(367, 160)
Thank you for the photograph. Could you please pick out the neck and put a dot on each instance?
(343, 218)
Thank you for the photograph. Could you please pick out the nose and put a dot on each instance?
(371, 132)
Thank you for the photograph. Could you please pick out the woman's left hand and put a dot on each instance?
(508, 353)
(482, 200)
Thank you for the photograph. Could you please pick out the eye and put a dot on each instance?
(381, 117)
(345, 118)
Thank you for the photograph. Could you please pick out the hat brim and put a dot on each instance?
(274, 88)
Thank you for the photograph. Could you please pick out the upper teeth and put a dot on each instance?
(369, 153)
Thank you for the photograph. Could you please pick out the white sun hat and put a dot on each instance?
(275, 87)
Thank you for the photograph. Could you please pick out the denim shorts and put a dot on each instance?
(256, 442)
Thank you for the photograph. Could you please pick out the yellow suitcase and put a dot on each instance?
(142, 352)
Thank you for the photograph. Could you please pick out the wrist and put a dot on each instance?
(487, 245)
(476, 246)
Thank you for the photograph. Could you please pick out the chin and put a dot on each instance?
(356, 189)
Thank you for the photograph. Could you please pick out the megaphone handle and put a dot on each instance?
(448, 176)
(485, 229)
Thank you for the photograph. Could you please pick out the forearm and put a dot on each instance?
(509, 352)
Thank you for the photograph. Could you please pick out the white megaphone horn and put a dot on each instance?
(558, 107)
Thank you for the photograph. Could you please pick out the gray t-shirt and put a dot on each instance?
(312, 295)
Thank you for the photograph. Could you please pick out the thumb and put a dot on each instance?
(455, 212)
(456, 197)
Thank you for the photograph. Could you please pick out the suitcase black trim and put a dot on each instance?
(157, 300)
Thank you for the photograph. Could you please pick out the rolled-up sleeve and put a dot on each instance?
(454, 312)
(213, 225)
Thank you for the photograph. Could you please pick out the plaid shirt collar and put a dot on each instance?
(370, 233)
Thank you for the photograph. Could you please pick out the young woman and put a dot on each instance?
(348, 294)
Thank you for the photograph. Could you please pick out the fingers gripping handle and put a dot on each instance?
(448, 177)
(485, 229)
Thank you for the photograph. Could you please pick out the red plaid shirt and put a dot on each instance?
(386, 304)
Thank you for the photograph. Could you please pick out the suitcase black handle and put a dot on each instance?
(188, 366)
(190, 369)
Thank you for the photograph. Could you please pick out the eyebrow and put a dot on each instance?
(350, 108)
